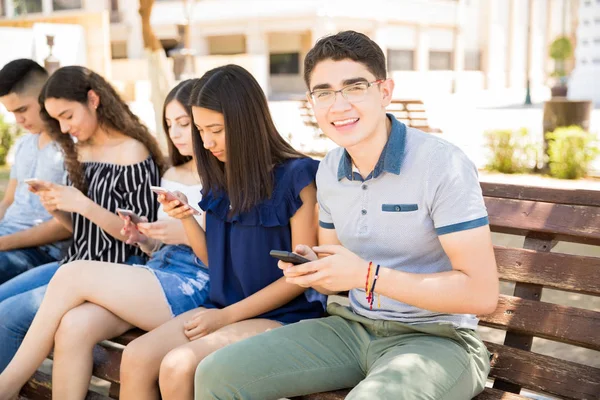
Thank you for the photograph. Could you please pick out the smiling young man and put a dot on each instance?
(27, 231)
(404, 228)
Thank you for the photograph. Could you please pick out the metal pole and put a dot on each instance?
(528, 55)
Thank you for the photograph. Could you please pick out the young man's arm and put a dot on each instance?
(45, 233)
(9, 197)
(471, 287)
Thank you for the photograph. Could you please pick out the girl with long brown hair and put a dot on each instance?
(112, 160)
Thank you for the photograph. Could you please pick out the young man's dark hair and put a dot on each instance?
(19, 76)
(346, 45)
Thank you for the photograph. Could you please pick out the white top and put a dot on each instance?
(192, 192)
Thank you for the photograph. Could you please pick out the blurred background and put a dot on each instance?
(514, 83)
(478, 71)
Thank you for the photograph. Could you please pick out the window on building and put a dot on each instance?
(226, 45)
(60, 5)
(284, 64)
(24, 7)
(118, 50)
(473, 60)
(440, 60)
(401, 60)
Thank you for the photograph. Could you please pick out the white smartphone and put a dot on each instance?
(170, 196)
(36, 184)
(128, 213)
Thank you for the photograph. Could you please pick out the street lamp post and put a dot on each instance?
(528, 55)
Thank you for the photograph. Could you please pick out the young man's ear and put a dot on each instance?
(310, 99)
(93, 99)
(387, 91)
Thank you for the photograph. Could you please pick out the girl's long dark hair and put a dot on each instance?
(73, 83)
(181, 94)
(253, 144)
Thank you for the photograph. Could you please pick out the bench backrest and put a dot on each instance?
(411, 112)
(544, 216)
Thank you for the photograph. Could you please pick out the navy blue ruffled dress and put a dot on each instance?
(239, 245)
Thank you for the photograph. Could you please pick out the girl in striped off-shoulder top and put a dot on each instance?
(111, 160)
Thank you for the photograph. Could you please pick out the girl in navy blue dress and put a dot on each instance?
(258, 195)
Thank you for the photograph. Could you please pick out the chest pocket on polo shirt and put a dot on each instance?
(397, 208)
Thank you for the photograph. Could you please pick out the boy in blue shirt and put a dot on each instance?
(404, 229)
(28, 233)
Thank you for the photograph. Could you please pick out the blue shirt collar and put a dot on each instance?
(390, 159)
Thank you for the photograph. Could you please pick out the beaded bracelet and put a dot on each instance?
(367, 279)
(371, 297)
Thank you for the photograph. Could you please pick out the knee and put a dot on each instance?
(208, 379)
(177, 370)
(138, 361)
(66, 273)
(75, 332)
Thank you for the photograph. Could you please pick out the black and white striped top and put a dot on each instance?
(113, 186)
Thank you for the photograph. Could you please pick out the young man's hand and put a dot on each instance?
(340, 270)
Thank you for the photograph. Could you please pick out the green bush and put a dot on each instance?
(511, 151)
(570, 152)
(8, 134)
(560, 50)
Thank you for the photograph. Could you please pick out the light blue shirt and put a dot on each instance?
(46, 164)
(421, 187)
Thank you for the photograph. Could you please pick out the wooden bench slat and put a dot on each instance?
(570, 325)
(107, 360)
(578, 197)
(572, 273)
(128, 336)
(571, 223)
(487, 394)
(495, 394)
(544, 374)
(40, 387)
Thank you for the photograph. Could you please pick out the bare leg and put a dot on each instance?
(157, 353)
(177, 369)
(141, 360)
(79, 331)
(131, 293)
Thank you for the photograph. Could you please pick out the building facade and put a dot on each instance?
(432, 46)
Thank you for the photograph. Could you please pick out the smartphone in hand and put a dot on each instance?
(128, 213)
(36, 184)
(170, 196)
(288, 256)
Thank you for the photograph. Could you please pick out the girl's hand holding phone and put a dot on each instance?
(130, 231)
(176, 208)
(168, 231)
(36, 185)
(63, 198)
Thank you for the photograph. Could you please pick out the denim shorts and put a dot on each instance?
(182, 276)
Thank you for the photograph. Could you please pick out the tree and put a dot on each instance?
(161, 77)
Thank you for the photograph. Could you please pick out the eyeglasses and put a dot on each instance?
(354, 93)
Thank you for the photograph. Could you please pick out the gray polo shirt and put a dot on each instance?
(422, 187)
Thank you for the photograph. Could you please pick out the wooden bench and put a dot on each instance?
(411, 112)
(544, 216)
